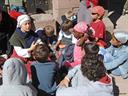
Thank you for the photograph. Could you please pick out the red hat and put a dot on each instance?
(14, 14)
(99, 10)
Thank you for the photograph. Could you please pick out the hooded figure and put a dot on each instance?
(14, 79)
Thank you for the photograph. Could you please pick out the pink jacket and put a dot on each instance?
(78, 54)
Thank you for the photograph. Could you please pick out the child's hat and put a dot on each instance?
(69, 14)
(98, 9)
(121, 36)
(81, 27)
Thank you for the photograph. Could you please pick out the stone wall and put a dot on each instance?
(61, 6)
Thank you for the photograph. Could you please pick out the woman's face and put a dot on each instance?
(26, 26)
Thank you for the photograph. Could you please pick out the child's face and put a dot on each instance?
(115, 42)
(67, 32)
(49, 34)
(95, 16)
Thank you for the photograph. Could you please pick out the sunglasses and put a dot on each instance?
(93, 13)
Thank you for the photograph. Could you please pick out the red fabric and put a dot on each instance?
(94, 2)
(25, 60)
(99, 29)
(14, 55)
(98, 9)
(105, 79)
(28, 67)
(101, 43)
(2, 60)
(14, 14)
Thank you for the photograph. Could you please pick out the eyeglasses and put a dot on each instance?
(94, 13)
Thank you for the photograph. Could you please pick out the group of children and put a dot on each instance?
(41, 51)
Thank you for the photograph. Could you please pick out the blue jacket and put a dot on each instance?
(43, 76)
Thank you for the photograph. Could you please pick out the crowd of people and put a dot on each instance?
(78, 61)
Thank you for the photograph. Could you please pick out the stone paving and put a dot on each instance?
(120, 86)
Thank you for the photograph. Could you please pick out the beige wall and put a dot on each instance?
(61, 6)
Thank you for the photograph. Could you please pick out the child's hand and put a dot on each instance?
(55, 47)
(82, 40)
(61, 46)
(64, 82)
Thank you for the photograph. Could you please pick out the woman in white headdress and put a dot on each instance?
(14, 79)
(23, 39)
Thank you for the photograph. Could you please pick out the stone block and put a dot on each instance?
(60, 4)
(41, 20)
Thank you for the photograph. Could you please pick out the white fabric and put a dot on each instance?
(122, 23)
(121, 36)
(81, 86)
(21, 19)
(61, 34)
(84, 14)
(14, 79)
(22, 52)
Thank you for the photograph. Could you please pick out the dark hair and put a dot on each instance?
(66, 25)
(41, 52)
(92, 63)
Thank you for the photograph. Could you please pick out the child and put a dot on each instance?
(82, 34)
(118, 63)
(48, 36)
(52, 38)
(97, 24)
(65, 37)
(43, 71)
(70, 15)
(89, 79)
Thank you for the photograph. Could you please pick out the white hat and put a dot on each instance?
(21, 19)
(121, 36)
